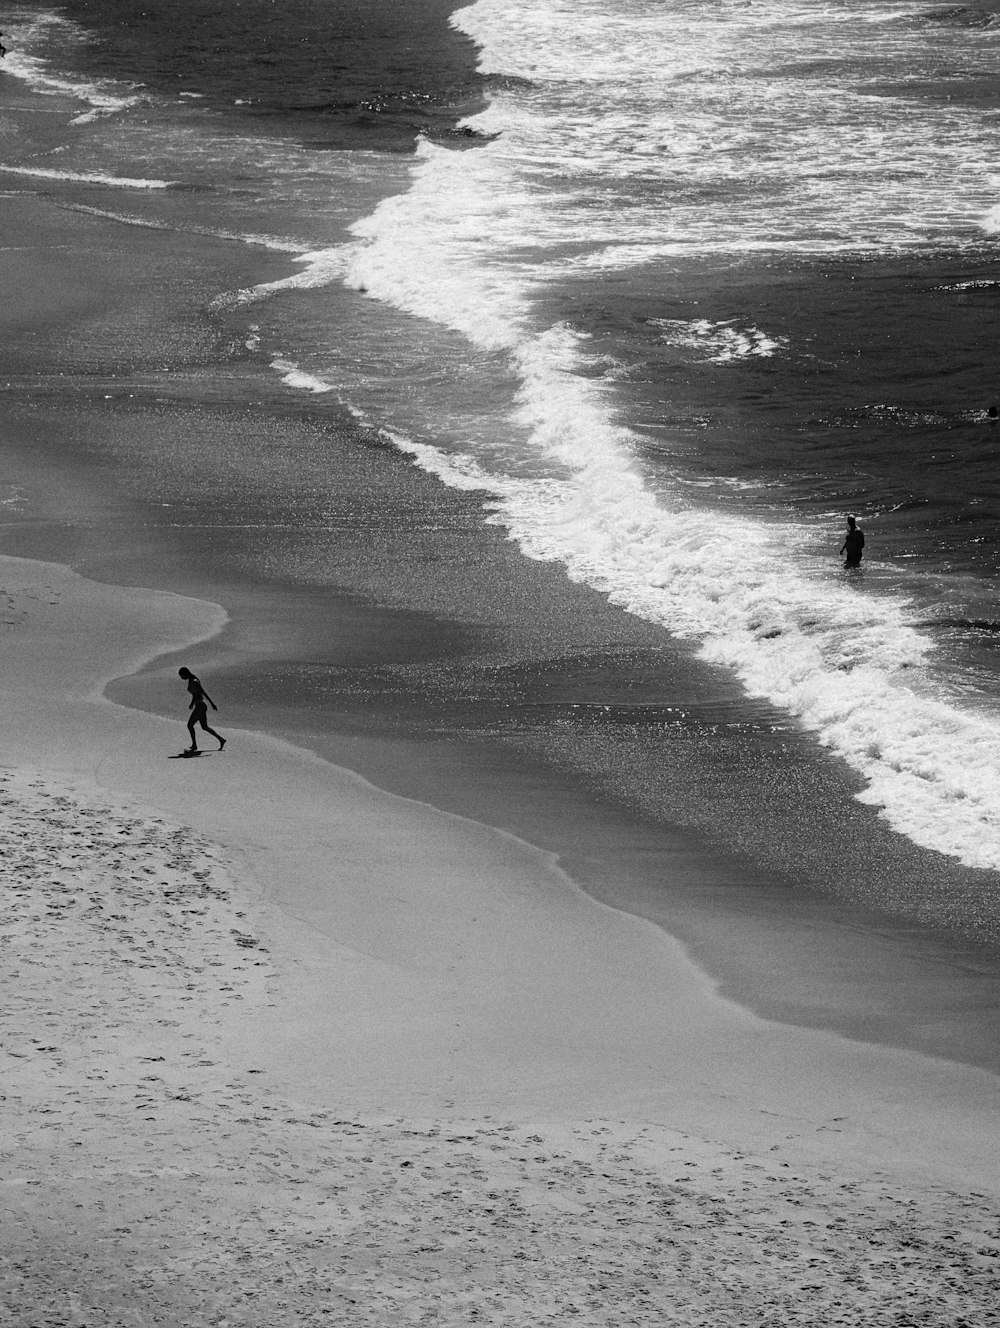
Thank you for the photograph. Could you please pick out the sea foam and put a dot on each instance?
(318, 267)
(296, 377)
(85, 177)
(25, 37)
(718, 342)
(758, 597)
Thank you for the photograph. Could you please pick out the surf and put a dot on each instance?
(471, 246)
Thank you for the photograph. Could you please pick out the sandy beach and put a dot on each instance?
(281, 1048)
(284, 1045)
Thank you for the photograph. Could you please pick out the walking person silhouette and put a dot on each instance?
(200, 700)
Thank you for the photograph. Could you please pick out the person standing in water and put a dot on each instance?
(854, 543)
(200, 700)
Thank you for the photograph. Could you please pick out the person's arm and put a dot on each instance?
(209, 699)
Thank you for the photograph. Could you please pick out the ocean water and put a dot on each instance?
(670, 286)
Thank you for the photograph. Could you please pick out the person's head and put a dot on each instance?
(850, 522)
(185, 673)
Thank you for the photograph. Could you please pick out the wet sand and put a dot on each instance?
(410, 1068)
(279, 1045)
(529, 715)
(377, 621)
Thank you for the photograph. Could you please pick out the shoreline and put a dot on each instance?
(806, 960)
(409, 1043)
(283, 1044)
(306, 819)
(415, 1070)
(762, 921)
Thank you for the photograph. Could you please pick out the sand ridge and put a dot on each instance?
(152, 1176)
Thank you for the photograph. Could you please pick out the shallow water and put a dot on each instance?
(643, 337)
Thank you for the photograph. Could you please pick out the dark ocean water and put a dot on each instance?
(331, 73)
(657, 328)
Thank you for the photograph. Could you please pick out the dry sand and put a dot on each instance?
(281, 1049)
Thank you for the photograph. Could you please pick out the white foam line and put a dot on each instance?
(752, 595)
(32, 70)
(932, 771)
(273, 242)
(321, 267)
(296, 377)
(80, 177)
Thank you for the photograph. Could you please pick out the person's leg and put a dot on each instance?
(199, 715)
(217, 736)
